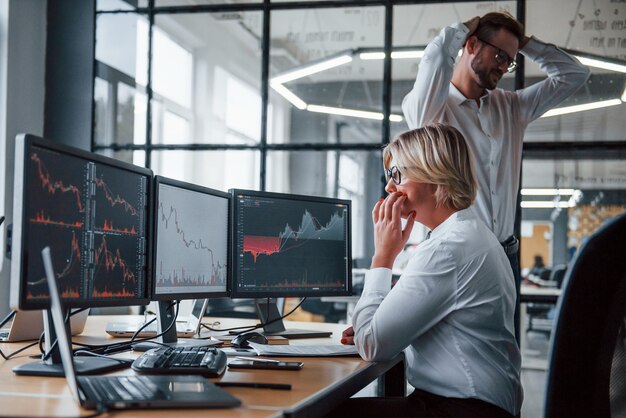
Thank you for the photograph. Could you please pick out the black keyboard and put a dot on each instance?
(206, 361)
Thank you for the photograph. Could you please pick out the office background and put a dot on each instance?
(298, 97)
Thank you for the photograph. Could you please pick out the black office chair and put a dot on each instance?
(586, 373)
(538, 312)
(558, 274)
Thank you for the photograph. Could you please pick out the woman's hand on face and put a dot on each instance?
(389, 237)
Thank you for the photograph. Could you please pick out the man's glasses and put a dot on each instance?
(502, 57)
(394, 174)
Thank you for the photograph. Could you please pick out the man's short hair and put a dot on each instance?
(492, 22)
(436, 154)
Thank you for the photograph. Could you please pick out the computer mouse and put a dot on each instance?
(241, 340)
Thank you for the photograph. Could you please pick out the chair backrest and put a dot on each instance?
(558, 274)
(545, 274)
(590, 313)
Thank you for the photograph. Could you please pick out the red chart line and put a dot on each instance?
(52, 186)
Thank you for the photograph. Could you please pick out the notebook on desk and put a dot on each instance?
(129, 392)
(185, 329)
(320, 350)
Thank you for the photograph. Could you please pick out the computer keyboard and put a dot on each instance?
(206, 361)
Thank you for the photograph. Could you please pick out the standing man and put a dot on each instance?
(492, 120)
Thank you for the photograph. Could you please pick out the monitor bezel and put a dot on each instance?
(235, 293)
(19, 256)
(155, 210)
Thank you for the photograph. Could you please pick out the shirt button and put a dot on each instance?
(494, 221)
(491, 162)
(493, 192)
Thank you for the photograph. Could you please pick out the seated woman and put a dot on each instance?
(452, 309)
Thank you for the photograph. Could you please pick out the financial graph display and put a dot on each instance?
(191, 241)
(92, 215)
(290, 246)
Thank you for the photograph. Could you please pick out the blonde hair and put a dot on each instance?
(436, 154)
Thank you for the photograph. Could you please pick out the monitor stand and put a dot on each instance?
(268, 312)
(53, 367)
(165, 316)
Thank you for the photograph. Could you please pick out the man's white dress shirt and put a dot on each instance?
(495, 129)
(452, 313)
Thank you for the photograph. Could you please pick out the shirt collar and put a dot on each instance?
(458, 98)
(449, 223)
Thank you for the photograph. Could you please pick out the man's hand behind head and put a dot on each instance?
(472, 25)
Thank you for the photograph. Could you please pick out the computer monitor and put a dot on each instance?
(191, 248)
(289, 245)
(94, 214)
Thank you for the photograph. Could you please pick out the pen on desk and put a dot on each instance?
(262, 360)
(278, 386)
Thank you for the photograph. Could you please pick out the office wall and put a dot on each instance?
(558, 241)
(22, 52)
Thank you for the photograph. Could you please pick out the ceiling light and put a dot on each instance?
(312, 69)
(544, 204)
(582, 107)
(624, 96)
(287, 94)
(548, 192)
(372, 55)
(602, 64)
(341, 111)
(407, 54)
(394, 55)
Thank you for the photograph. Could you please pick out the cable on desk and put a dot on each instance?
(89, 353)
(257, 326)
(16, 352)
(127, 345)
(108, 348)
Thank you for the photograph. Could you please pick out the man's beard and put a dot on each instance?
(484, 78)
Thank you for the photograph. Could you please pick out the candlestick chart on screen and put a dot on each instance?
(288, 245)
(191, 241)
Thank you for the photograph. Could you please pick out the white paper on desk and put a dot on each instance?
(322, 350)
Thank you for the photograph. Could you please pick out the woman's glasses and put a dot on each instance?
(394, 174)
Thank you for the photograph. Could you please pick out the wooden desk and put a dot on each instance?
(321, 385)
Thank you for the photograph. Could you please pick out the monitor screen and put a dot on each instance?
(93, 213)
(290, 245)
(191, 241)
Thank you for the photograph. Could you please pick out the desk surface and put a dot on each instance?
(534, 294)
(319, 386)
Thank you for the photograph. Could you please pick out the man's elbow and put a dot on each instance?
(370, 351)
(583, 75)
(409, 110)
(586, 73)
